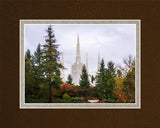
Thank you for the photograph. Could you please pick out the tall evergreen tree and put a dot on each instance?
(100, 80)
(69, 80)
(109, 79)
(38, 55)
(38, 63)
(51, 62)
(92, 79)
(28, 54)
(30, 87)
(30, 58)
(84, 82)
(105, 80)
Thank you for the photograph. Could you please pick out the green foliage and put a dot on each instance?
(100, 81)
(77, 100)
(109, 101)
(42, 79)
(32, 100)
(110, 82)
(92, 79)
(38, 55)
(60, 101)
(56, 93)
(66, 97)
(119, 73)
(84, 82)
(91, 91)
(38, 72)
(51, 63)
(43, 92)
(69, 80)
(28, 54)
(31, 87)
(105, 80)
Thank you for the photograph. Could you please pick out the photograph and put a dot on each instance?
(80, 63)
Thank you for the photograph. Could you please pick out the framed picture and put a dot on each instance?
(80, 64)
(112, 30)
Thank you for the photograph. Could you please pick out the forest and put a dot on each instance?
(43, 84)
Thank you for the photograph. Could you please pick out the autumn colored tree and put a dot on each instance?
(84, 81)
(119, 73)
(66, 88)
(51, 63)
(118, 89)
(74, 92)
(129, 80)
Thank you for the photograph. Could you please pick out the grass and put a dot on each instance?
(32, 100)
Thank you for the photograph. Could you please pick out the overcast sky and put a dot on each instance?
(113, 42)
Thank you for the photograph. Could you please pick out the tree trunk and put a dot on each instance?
(50, 94)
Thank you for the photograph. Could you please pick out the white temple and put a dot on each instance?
(62, 70)
(98, 67)
(76, 68)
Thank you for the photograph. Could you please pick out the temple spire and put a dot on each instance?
(62, 71)
(87, 62)
(98, 67)
(78, 56)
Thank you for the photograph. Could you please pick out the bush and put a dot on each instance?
(101, 101)
(66, 97)
(59, 101)
(31, 100)
(109, 101)
(77, 100)
(89, 98)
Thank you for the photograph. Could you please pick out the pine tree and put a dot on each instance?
(30, 86)
(92, 79)
(30, 58)
(109, 79)
(69, 80)
(51, 62)
(28, 54)
(29, 79)
(38, 63)
(38, 55)
(84, 82)
(100, 80)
